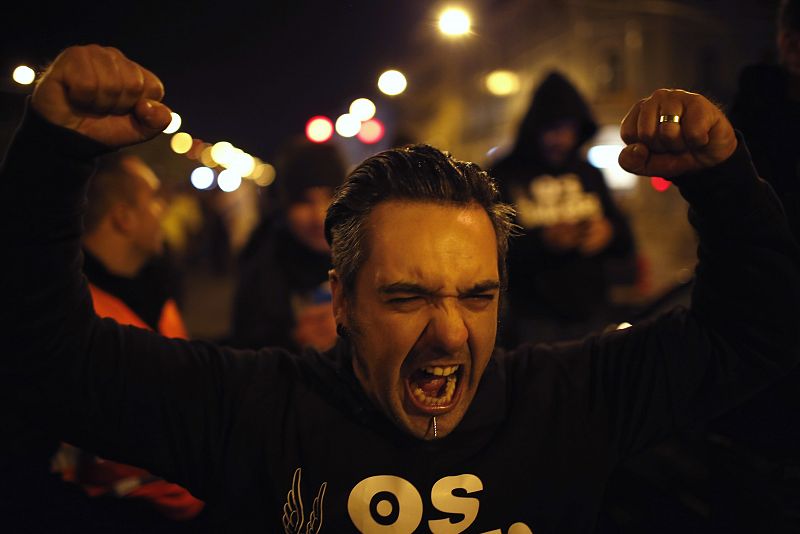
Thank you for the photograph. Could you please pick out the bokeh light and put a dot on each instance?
(23, 75)
(264, 175)
(605, 157)
(205, 157)
(454, 21)
(319, 129)
(222, 152)
(243, 163)
(231, 157)
(202, 177)
(363, 109)
(502, 82)
(392, 82)
(229, 180)
(659, 184)
(198, 145)
(371, 131)
(181, 143)
(174, 124)
(347, 125)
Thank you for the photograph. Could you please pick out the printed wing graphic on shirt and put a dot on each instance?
(294, 519)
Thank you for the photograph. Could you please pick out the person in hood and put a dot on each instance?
(283, 297)
(569, 223)
(766, 109)
(755, 454)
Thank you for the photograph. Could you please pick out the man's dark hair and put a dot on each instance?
(109, 184)
(416, 173)
(789, 15)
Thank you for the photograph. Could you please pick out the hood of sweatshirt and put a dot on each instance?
(555, 100)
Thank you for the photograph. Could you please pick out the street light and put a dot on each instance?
(181, 143)
(502, 82)
(23, 75)
(363, 109)
(392, 82)
(347, 125)
(319, 129)
(229, 180)
(202, 177)
(454, 21)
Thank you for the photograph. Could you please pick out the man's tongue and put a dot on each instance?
(430, 384)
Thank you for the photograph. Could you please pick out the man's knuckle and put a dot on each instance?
(695, 136)
(84, 86)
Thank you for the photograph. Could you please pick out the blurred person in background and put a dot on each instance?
(124, 260)
(754, 451)
(766, 109)
(282, 296)
(130, 281)
(558, 288)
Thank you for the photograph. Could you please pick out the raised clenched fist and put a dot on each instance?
(673, 132)
(98, 92)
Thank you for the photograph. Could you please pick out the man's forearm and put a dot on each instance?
(43, 176)
(748, 275)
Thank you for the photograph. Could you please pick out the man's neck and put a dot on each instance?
(115, 255)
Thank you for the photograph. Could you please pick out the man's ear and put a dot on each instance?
(121, 217)
(338, 299)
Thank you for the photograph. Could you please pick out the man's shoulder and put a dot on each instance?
(528, 356)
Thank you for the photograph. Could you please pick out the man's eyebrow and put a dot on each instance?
(404, 287)
(482, 287)
(417, 289)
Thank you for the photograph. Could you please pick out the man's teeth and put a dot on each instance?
(441, 371)
(449, 388)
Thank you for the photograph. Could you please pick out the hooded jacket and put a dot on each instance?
(554, 100)
(564, 286)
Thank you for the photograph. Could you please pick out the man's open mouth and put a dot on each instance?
(434, 389)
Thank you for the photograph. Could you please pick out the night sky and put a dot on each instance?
(251, 73)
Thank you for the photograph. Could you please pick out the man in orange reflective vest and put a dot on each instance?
(123, 245)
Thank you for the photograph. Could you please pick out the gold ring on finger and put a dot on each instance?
(669, 118)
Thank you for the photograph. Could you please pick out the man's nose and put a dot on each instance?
(448, 330)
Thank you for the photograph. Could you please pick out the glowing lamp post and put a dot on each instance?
(454, 22)
(392, 82)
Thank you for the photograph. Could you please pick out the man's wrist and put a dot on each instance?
(63, 141)
(732, 191)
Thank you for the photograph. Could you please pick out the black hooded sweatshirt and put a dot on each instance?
(564, 286)
(274, 442)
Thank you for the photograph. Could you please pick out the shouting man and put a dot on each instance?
(414, 421)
